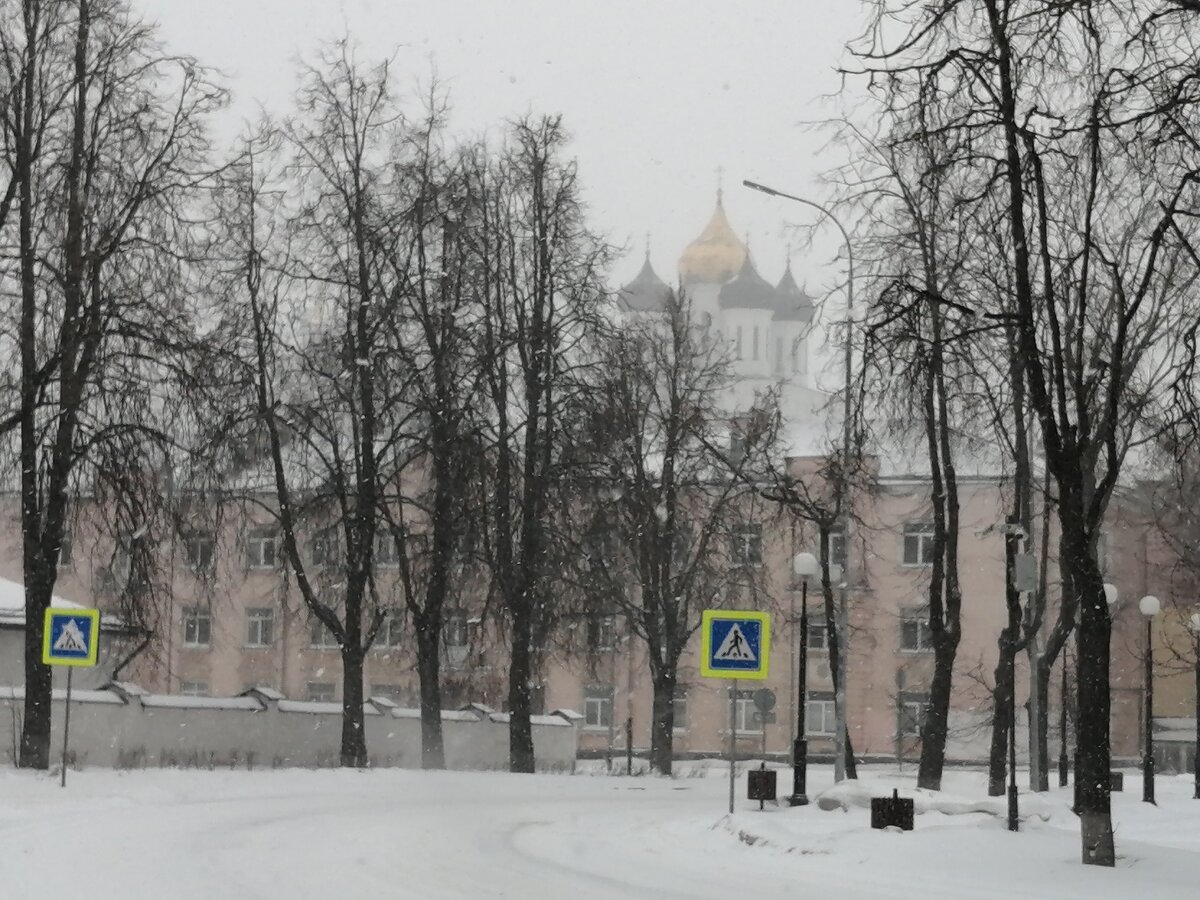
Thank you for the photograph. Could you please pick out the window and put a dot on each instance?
(391, 633)
(918, 544)
(321, 691)
(820, 715)
(1102, 556)
(260, 627)
(193, 688)
(835, 540)
(818, 634)
(455, 628)
(601, 633)
(737, 343)
(797, 367)
(65, 550)
(197, 626)
(910, 711)
(746, 723)
(262, 548)
(755, 347)
(320, 636)
(746, 545)
(387, 554)
(778, 356)
(200, 551)
(915, 636)
(681, 709)
(325, 549)
(597, 706)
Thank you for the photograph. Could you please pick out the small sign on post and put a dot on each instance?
(71, 637)
(734, 644)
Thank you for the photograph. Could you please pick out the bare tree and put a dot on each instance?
(677, 527)
(108, 143)
(540, 272)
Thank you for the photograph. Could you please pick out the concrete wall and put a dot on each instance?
(123, 727)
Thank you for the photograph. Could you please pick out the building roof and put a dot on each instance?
(647, 292)
(716, 255)
(749, 290)
(795, 304)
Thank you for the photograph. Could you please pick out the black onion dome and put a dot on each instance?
(795, 305)
(647, 292)
(748, 290)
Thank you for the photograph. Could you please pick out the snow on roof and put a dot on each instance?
(266, 693)
(12, 601)
(569, 714)
(179, 701)
(318, 706)
(551, 721)
(448, 715)
(77, 696)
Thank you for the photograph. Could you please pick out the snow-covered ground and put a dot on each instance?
(394, 833)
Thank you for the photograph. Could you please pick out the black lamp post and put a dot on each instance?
(1194, 622)
(1149, 607)
(804, 567)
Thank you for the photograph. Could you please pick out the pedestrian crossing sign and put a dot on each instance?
(71, 637)
(735, 644)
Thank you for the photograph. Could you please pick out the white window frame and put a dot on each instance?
(193, 559)
(820, 715)
(838, 547)
(918, 616)
(193, 689)
(257, 540)
(66, 550)
(817, 625)
(597, 707)
(258, 617)
(921, 535)
(746, 545)
(454, 628)
(911, 710)
(680, 700)
(745, 710)
(391, 632)
(199, 620)
(601, 633)
(755, 346)
(324, 548)
(387, 552)
(320, 636)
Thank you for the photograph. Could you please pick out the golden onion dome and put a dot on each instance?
(714, 257)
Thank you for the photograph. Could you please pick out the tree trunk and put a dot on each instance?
(354, 737)
(35, 729)
(1039, 723)
(835, 668)
(662, 729)
(1094, 751)
(433, 754)
(1001, 707)
(520, 732)
(933, 734)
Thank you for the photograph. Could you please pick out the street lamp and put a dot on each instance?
(1149, 607)
(1194, 623)
(839, 763)
(804, 567)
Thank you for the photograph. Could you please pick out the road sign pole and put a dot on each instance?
(732, 741)
(66, 729)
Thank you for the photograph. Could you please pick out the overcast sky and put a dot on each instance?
(658, 95)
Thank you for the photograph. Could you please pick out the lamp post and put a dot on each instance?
(804, 567)
(1194, 623)
(839, 763)
(1149, 607)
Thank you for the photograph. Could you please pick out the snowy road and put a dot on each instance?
(399, 834)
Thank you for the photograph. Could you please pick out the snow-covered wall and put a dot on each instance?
(124, 727)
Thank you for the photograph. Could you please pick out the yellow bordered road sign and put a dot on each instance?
(735, 644)
(71, 637)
